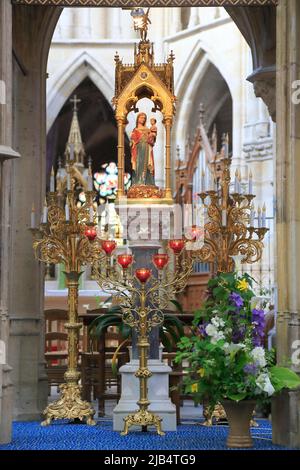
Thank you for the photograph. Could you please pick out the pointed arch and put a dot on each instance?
(198, 65)
(83, 66)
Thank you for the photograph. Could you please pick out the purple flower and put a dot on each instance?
(236, 299)
(201, 329)
(238, 334)
(258, 322)
(250, 369)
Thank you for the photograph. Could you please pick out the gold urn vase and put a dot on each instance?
(239, 415)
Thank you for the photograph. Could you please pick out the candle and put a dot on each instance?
(236, 182)
(71, 152)
(250, 189)
(264, 216)
(224, 218)
(239, 182)
(203, 188)
(67, 212)
(90, 181)
(68, 180)
(259, 217)
(91, 214)
(252, 216)
(32, 218)
(216, 185)
(52, 181)
(45, 213)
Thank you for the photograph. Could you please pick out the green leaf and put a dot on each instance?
(237, 396)
(284, 378)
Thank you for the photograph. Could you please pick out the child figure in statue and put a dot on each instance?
(142, 142)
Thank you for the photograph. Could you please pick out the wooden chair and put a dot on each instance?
(56, 353)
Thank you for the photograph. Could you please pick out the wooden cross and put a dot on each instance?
(76, 101)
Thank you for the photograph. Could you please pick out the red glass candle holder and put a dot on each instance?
(176, 246)
(90, 233)
(125, 261)
(160, 260)
(108, 246)
(143, 275)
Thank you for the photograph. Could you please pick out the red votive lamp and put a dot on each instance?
(108, 246)
(125, 261)
(160, 260)
(90, 233)
(177, 246)
(143, 275)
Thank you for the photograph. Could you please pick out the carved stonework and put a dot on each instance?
(143, 191)
(266, 90)
(146, 3)
(262, 150)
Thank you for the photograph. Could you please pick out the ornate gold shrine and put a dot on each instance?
(144, 79)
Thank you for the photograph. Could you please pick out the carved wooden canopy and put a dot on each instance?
(146, 3)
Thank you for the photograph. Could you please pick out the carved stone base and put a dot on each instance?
(143, 191)
(142, 418)
(69, 406)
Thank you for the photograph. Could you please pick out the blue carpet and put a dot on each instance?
(190, 436)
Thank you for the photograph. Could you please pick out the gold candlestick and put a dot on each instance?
(143, 299)
(67, 235)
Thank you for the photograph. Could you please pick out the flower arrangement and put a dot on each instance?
(225, 355)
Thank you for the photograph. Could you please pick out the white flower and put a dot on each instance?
(219, 335)
(258, 355)
(264, 383)
(211, 330)
(218, 322)
(232, 347)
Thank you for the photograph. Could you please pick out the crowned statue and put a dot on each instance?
(142, 141)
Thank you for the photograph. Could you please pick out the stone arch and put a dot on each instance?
(198, 66)
(83, 66)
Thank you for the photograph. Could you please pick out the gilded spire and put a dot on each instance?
(75, 143)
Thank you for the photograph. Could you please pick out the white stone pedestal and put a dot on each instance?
(158, 392)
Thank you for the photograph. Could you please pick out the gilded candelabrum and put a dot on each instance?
(67, 235)
(229, 229)
(229, 232)
(143, 297)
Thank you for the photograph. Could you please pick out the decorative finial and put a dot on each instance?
(201, 113)
(75, 101)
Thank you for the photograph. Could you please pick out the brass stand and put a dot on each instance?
(143, 417)
(70, 405)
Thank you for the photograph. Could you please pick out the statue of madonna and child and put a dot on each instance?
(142, 141)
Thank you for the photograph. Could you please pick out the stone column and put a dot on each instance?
(176, 20)
(285, 415)
(115, 23)
(6, 155)
(194, 19)
(82, 23)
(66, 23)
(26, 287)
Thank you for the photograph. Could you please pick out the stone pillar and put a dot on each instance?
(194, 19)
(82, 23)
(66, 23)
(6, 155)
(115, 23)
(176, 20)
(285, 415)
(25, 290)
